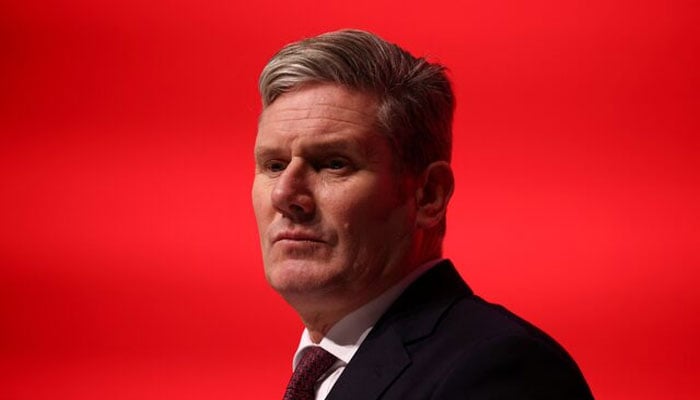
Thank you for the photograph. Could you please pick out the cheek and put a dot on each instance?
(261, 202)
(363, 218)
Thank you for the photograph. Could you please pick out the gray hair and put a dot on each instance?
(415, 98)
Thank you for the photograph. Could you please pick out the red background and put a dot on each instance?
(129, 262)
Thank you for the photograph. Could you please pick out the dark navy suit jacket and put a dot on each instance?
(440, 341)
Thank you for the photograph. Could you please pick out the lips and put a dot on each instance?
(297, 236)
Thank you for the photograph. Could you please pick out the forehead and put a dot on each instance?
(318, 111)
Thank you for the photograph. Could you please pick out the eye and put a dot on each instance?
(275, 166)
(337, 164)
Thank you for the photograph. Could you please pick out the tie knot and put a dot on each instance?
(316, 358)
(314, 363)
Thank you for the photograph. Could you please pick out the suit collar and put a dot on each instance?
(383, 355)
(416, 312)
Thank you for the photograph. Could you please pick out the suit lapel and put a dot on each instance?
(376, 364)
(383, 355)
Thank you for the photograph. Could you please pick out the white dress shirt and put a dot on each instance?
(346, 336)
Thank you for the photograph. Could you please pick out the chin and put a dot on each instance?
(301, 277)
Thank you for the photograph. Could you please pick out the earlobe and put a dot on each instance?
(433, 195)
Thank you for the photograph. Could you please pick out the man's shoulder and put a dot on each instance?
(463, 320)
(457, 341)
(444, 298)
(482, 320)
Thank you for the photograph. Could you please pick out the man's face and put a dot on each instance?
(331, 217)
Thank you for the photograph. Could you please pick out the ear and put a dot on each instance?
(433, 194)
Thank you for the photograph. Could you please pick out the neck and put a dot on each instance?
(318, 324)
(320, 314)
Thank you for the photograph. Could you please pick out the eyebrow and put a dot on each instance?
(341, 144)
(262, 153)
(331, 145)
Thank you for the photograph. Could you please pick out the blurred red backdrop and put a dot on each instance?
(129, 262)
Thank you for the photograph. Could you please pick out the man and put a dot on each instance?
(352, 184)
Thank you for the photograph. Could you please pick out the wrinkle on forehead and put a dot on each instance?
(320, 109)
(324, 111)
(312, 125)
(317, 102)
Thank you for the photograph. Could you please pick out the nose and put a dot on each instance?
(292, 195)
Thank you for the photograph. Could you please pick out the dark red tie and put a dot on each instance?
(314, 363)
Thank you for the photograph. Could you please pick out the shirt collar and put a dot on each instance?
(346, 336)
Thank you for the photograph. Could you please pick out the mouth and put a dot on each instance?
(296, 237)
